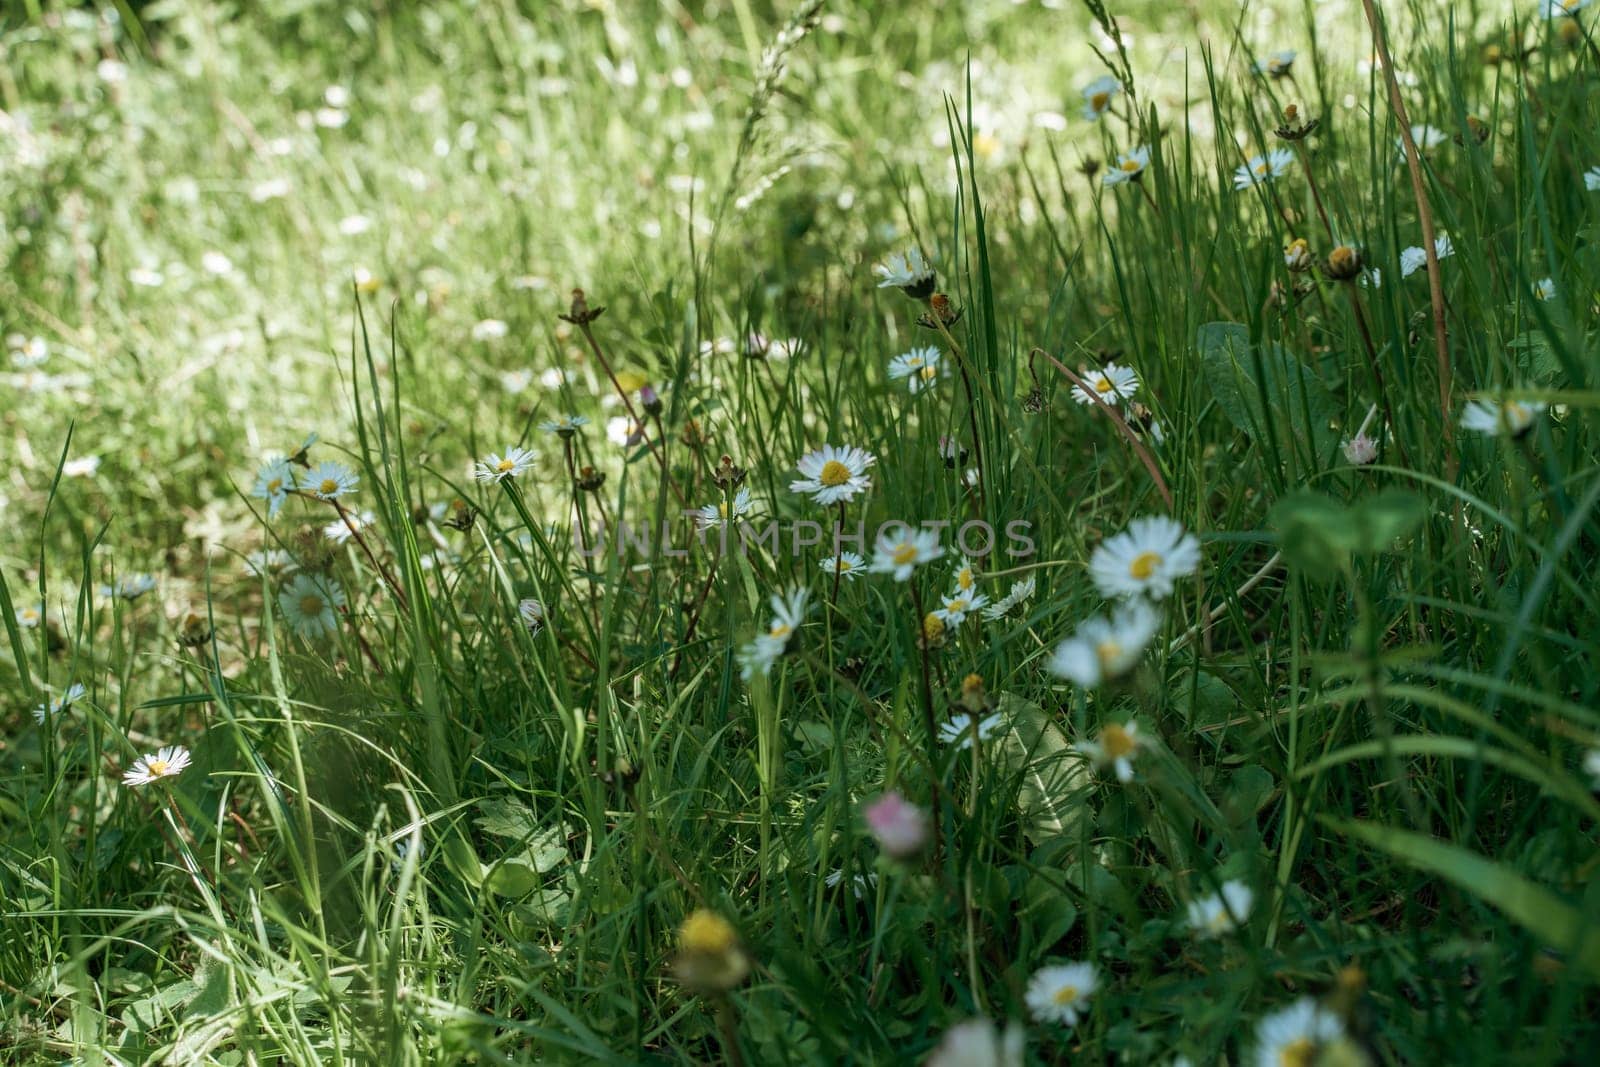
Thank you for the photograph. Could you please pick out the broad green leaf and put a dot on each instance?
(1037, 752)
(1266, 392)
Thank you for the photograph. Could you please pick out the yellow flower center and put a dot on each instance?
(328, 486)
(707, 932)
(1102, 384)
(956, 605)
(964, 579)
(932, 627)
(845, 565)
(156, 767)
(1099, 101)
(1261, 168)
(275, 485)
(834, 473)
(311, 604)
(1297, 1053)
(722, 509)
(1117, 742)
(1066, 994)
(1144, 565)
(505, 465)
(1109, 652)
(780, 629)
(905, 553)
(929, 373)
(1132, 166)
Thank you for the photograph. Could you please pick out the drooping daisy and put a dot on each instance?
(1297, 255)
(901, 553)
(532, 614)
(167, 763)
(788, 612)
(1113, 383)
(1145, 559)
(725, 511)
(845, 564)
(860, 884)
(329, 481)
(832, 475)
(1261, 169)
(1545, 289)
(308, 604)
(920, 368)
(340, 530)
(908, 272)
(1129, 167)
(496, 467)
(72, 695)
(954, 609)
(1511, 419)
(1556, 9)
(1222, 912)
(1277, 64)
(1060, 993)
(1414, 258)
(1097, 96)
(980, 1043)
(1021, 592)
(963, 727)
(1102, 649)
(1293, 1036)
(1114, 746)
(564, 425)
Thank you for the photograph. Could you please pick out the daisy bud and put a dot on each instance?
(973, 696)
(194, 632)
(590, 480)
(1297, 256)
(1342, 264)
(900, 828)
(710, 959)
(581, 314)
(692, 435)
(1477, 129)
(1294, 127)
(650, 400)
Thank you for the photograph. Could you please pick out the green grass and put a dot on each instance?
(435, 836)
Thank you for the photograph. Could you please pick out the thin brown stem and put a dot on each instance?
(627, 402)
(972, 408)
(1120, 423)
(1374, 369)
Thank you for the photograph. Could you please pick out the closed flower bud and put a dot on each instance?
(710, 959)
(1342, 264)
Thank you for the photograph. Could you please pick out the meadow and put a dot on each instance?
(799, 531)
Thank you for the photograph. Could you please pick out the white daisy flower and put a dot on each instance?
(329, 481)
(532, 614)
(1556, 9)
(1097, 96)
(1145, 559)
(1277, 64)
(962, 727)
(1295, 1034)
(217, 263)
(82, 467)
(167, 763)
(834, 474)
(489, 330)
(1114, 746)
(908, 271)
(1103, 649)
(147, 278)
(27, 353)
(1129, 167)
(308, 603)
(1512, 418)
(1591, 767)
(130, 588)
(1545, 289)
(788, 612)
(846, 564)
(29, 618)
(564, 425)
(1113, 383)
(713, 515)
(339, 532)
(515, 381)
(860, 884)
(1425, 137)
(496, 467)
(901, 553)
(1222, 912)
(920, 368)
(954, 609)
(966, 576)
(1591, 179)
(1021, 592)
(72, 695)
(1414, 259)
(1371, 278)
(356, 225)
(978, 1043)
(1060, 993)
(1261, 169)
(264, 562)
(271, 189)
(330, 118)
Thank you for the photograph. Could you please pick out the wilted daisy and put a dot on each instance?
(1060, 993)
(979, 1043)
(1097, 96)
(1261, 169)
(725, 511)
(532, 614)
(1145, 559)
(329, 481)
(901, 553)
(788, 612)
(834, 474)
(1512, 418)
(1114, 746)
(845, 564)
(308, 603)
(963, 727)
(167, 763)
(1295, 1034)
(1111, 383)
(1413, 259)
(1359, 450)
(1222, 912)
(129, 588)
(1102, 649)
(919, 368)
(1129, 167)
(1021, 592)
(908, 272)
(72, 695)
(564, 425)
(489, 330)
(1277, 64)
(954, 609)
(1297, 255)
(1545, 289)
(496, 467)
(341, 530)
